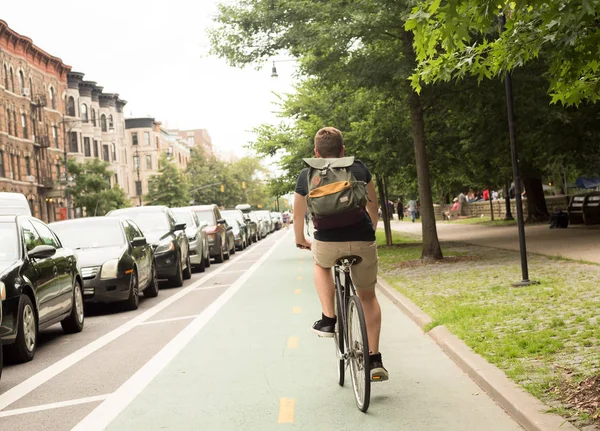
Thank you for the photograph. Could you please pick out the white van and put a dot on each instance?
(14, 204)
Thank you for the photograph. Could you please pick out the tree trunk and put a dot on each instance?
(390, 216)
(491, 203)
(536, 201)
(384, 213)
(431, 244)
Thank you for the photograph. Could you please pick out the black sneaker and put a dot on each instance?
(378, 371)
(324, 327)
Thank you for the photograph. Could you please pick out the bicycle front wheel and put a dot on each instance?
(339, 338)
(358, 351)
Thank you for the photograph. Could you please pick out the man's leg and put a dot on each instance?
(325, 289)
(372, 311)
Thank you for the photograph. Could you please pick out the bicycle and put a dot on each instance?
(352, 345)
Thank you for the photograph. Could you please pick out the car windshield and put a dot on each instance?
(207, 216)
(232, 222)
(150, 221)
(184, 217)
(97, 234)
(9, 251)
(231, 215)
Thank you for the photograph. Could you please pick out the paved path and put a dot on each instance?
(250, 362)
(576, 242)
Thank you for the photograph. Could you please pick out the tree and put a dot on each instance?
(169, 187)
(92, 190)
(457, 38)
(359, 44)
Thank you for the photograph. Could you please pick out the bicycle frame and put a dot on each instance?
(345, 290)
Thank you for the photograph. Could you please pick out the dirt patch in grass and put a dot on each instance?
(583, 397)
(545, 337)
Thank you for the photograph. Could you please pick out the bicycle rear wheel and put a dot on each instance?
(339, 338)
(358, 350)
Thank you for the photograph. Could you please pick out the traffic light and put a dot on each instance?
(243, 184)
(222, 188)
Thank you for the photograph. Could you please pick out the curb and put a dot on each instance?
(527, 410)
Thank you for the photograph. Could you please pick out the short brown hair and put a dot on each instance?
(329, 142)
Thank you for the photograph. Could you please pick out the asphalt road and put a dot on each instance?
(77, 371)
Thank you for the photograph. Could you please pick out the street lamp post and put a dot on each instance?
(138, 185)
(515, 167)
(274, 73)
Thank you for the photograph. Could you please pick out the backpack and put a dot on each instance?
(335, 198)
(559, 220)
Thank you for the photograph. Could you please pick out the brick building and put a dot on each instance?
(32, 89)
(197, 139)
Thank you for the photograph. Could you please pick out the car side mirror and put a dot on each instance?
(41, 252)
(179, 226)
(138, 241)
(221, 221)
(229, 227)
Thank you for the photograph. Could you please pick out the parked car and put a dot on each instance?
(277, 219)
(267, 216)
(167, 237)
(252, 229)
(42, 285)
(197, 237)
(240, 230)
(216, 231)
(115, 260)
(2, 299)
(261, 223)
(14, 204)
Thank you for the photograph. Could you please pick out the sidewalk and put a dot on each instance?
(256, 366)
(576, 242)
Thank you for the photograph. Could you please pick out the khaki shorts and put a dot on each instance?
(364, 274)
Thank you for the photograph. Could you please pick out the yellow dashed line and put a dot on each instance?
(286, 411)
(298, 291)
(299, 278)
(299, 269)
(296, 310)
(292, 343)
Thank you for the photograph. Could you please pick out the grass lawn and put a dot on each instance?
(545, 337)
(486, 221)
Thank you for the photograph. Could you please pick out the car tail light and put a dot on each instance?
(212, 229)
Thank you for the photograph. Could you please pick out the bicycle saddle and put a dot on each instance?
(348, 260)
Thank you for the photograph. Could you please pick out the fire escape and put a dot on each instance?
(43, 164)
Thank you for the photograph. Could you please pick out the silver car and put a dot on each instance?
(269, 221)
(197, 237)
(262, 226)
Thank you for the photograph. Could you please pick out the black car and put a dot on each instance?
(220, 239)
(116, 261)
(240, 229)
(42, 283)
(168, 239)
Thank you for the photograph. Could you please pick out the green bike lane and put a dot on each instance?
(252, 363)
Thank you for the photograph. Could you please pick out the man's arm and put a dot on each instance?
(372, 203)
(299, 211)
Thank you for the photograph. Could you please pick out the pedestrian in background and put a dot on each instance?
(412, 209)
(400, 207)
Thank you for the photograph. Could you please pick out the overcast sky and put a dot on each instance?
(154, 53)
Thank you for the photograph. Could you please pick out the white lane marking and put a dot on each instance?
(234, 272)
(27, 386)
(52, 406)
(110, 408)
(172, 319)
(247, 261)
(217, 286)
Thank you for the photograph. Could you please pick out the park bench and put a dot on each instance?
(576, 209)
(591, 208)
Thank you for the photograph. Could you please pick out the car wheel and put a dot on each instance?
(187, 272)
(201, 267)
(177, 279)
(226, 253)
(134, 293)
(74, 322)
(151, 291)
(221, 256)
(207, 259)
(232, 250)
(23, 349)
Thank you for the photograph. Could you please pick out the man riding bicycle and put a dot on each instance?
(331, 243)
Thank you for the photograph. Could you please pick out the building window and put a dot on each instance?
(55, 135)
(103, 123)
(52, 98)
(138, 188)
(73, 147)
(27, 166)
(30, 88)
(18, 168)
(58, 171)
(12, 80)
(114, 152)
(12, 166)
(71, 106)
(5, 77)
(148, 162)
(157, 144)
(9, 121)
(93, 117)
(87, 150)
(24, 125)
(136, 162)
(105, 153)
(14, 117)
(21, 81)
(84, 113)
(147, 138)
(96, 148)
(134, 138)
(110, 122)
(2, 173)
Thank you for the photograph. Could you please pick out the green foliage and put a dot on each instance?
(92, 189)
(169, 187)
(458, 38)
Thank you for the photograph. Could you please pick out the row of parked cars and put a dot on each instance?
(49, 271)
